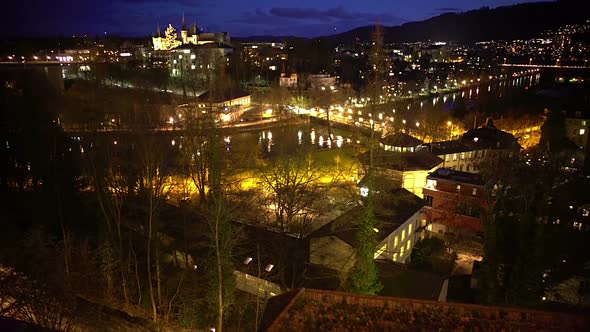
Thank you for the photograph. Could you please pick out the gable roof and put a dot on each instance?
(490, 137)
(404, 161)
(391, 211)
(486, 137)
(320, 310)
(401, 139)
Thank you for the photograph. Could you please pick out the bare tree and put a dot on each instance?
(295, 189)
(152, 190)
(112, 180)
(195, 146)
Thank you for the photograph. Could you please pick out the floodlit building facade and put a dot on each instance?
(576, 128)
(288, 81)
(454, 201)
(399, 220)
(466, 153)
(191, 36)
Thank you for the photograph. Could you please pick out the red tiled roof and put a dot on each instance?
(318, 310)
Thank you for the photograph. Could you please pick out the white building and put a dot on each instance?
(321, 80)
(399, 221)
(288, 81)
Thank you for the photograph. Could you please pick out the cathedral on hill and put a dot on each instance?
(191, 36)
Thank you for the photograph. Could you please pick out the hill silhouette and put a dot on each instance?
(502, 23)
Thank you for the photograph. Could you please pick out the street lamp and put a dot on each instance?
(450, 125)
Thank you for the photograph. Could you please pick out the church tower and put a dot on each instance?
(193, 36)
(157, 39)
(184, 31)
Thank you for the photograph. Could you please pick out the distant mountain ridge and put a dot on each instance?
(502, 23)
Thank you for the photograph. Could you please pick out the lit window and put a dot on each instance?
(458, 188)
(180, 56)
(409, 244)
(401, 251)
(364, 191)
(462, 155)
(380, 251)
(193, 56)
(395, 242)
(403, 234)
(474, 191)
(582, 131)
(447, 157)
(454, 156)
(583, 122)
(395, 257)
(410, 229)
(430, 184)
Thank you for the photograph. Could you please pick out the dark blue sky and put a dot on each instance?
(239, 17)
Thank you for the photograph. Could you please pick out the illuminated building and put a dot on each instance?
(399, 218)
(192, 36)
(288, 81)
(230, 104)
(197, 60)
(400, 143)
(408, 170)
(466, 153)
(321, 80)
(455, 200)
(576, 128)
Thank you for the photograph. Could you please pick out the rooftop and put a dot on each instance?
(212, 44)
(409, 161)
(318, 310)
(490, 137)
(227, 94)
(457, 176)
(391, 211)
(401, 139)
(485, 137)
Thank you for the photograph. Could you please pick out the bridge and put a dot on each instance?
(542, 66)
(42, 63)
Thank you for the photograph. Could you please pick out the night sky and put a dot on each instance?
(239, 17)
